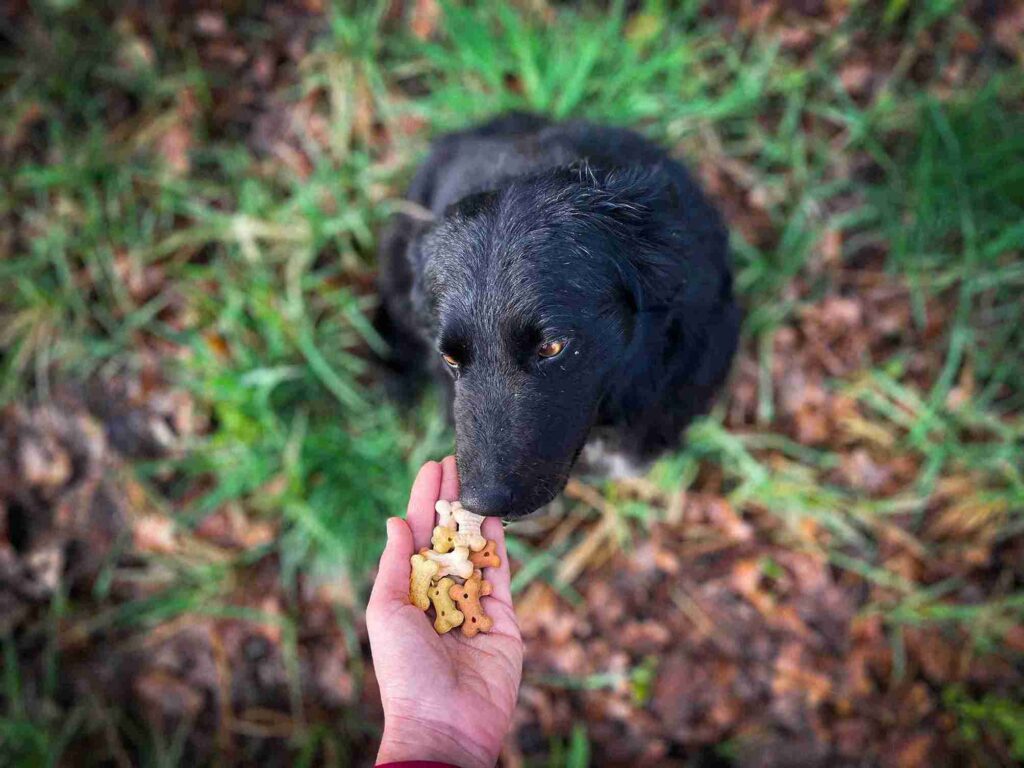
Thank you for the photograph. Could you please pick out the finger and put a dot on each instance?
(449, 479)
(500, 577)
(424, 493)
(392, 582)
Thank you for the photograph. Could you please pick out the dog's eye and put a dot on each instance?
(550, 349)
(450, 361)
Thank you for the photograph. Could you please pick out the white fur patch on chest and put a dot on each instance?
(602, 459)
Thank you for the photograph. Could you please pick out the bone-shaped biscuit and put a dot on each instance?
(448, 616)
(469, 529)
(454, 563)
(423, 571)
(443, 539)
(486, 557)
(444, 512)
(467, 596)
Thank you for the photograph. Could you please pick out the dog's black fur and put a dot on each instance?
(521, 231)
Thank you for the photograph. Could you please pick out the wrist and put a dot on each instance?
(408, 738)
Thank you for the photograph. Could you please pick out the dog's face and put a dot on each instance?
(558, 299)
(528, 317)
(562, 297)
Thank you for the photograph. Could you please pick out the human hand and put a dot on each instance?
(446, 697)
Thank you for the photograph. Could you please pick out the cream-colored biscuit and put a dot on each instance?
(444, 513)
(454, 563)
(469, 529)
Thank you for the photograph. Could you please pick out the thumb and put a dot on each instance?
(392, 582)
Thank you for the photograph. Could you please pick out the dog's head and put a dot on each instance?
(544, 299)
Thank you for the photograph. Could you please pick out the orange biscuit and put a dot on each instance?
(467, 597)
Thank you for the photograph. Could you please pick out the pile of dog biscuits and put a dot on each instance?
(449, 577)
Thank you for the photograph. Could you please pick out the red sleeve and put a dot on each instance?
(417, 764)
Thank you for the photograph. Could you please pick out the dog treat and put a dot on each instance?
(469, 529)
(459, 551)
(486, 557)
(448, 616)
(423, 571)
(454, 563)
(443, 539)
(467, 597)
(444, 513)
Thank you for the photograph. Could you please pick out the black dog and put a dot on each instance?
(571, 282)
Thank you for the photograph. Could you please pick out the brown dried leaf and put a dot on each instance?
(154, 533)
(174, 146)
(856, 77)
(797, 674)
(210, 23)
(1008, 30)
(425, 16)
(167, 699)
(914, 752)
(861, 472)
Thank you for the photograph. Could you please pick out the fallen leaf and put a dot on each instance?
(856, 77)
(424, 18)
(154, 533)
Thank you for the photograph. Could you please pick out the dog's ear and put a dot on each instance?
(673, 245)
(399, 272)
(396, 252)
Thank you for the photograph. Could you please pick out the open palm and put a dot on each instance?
(446, 697)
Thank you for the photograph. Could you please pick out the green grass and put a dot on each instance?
(262, 269)
(574, 753)
(992, 715)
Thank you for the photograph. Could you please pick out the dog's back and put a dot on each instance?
(518, 144)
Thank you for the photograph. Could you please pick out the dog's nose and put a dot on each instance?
(494, 501)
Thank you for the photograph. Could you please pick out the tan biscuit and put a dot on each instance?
(423, 571)
(443, 539)
(448, 616)
(467, 596)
